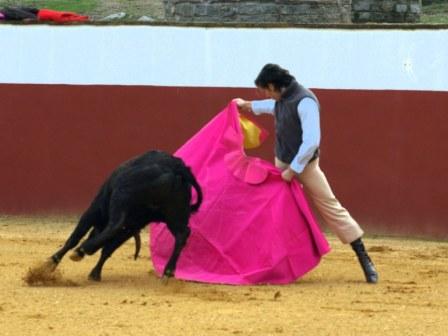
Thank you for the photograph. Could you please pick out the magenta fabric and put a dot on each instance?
(252, 227)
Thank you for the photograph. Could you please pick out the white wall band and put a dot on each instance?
(223, 57)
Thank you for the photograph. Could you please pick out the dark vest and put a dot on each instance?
(288, 127)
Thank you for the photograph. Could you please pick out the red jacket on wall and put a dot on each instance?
(59, 16)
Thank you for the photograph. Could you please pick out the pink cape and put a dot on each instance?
(252, 226)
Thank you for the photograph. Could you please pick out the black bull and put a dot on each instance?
(153, 187)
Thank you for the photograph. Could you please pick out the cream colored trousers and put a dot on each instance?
(336, 217)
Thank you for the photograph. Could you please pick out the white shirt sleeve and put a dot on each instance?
(263, 106)
(308, 111)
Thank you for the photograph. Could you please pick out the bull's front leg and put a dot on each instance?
(85, 223)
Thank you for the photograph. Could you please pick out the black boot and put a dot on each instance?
(367, 265)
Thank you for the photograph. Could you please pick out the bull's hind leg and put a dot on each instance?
(106, 252)
(114, 227)
(181, 234)
(77, 254)
(85, 223)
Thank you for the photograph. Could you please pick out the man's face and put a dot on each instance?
(270, 92)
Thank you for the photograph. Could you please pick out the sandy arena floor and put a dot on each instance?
(333, 299)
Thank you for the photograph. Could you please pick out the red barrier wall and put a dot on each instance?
(383, 151)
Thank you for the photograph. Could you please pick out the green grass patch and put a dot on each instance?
(435, 13)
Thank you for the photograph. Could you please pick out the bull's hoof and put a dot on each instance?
(55, 260)
(94, 277)
(167, 273)
(52, 263)
(77, 255)
(164, 280)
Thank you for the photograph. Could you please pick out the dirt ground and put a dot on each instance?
(410, 299)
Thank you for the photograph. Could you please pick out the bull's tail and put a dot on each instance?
(189, 177)
(197, 187)
(138, 244)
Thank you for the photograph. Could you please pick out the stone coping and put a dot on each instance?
(348, 26)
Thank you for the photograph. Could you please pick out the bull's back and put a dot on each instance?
(153, 176)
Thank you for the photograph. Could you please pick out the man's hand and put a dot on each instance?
(243, 105)
(288, 174)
